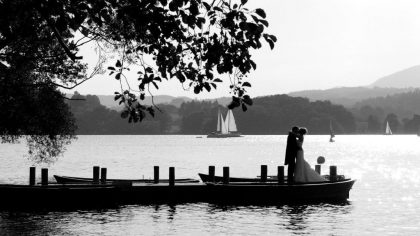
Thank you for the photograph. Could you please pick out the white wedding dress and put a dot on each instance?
(303, 171)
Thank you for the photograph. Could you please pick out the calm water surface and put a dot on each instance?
(385, 200)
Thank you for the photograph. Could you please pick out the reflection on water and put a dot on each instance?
(179, 219)
(384, 199)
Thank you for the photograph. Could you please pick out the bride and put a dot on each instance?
(303, 171)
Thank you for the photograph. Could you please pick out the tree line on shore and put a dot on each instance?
(400, 110)
(268, 115)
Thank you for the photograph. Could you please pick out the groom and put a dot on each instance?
(291, 151)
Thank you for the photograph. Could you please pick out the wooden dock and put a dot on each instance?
(105, 194)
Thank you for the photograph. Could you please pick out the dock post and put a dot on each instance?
(171, 176)
(44, 176)
(96, 174)
(333, 173)
(280, 174)
(226, 175)
(212, 170)
(263, 173)
(318, 169)
(156, 174)
(32, 175)
(103, 175)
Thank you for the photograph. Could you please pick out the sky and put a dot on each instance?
(321, 44)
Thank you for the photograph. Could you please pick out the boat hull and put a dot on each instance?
(242, 193)
(271, 179)
(110, 195)
(69, 179)
(58, 196)
(220, 135)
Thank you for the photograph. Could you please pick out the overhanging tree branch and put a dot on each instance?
(57, 35)
(71, 87)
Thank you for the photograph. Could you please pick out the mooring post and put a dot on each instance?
(225, 174)
(333, 173)
(156, 174)
(44, 176)
(318, 169)
(32, 175)
(96, 174)
(280, 174)
(171, 176)
(212, 171)
(103, 175)
(263, 173)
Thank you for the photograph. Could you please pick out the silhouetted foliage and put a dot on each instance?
(403, 105)
(38, 114)
(193, 41)
(412, 126)
(374, 126)
(94, 118)
(270, 115)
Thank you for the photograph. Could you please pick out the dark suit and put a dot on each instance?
(290, 159)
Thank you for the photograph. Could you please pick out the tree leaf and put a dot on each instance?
(244, 108)
(151, 111)
(271, 44)
(254, 66)
(218, 9)
(264, 22)
(125, 114)
(272, 37)
(207, 87)
(206, 5)
(246, 84)
(154, 83)
(247, 100)
(260, 12)
(117, 96)
(149, 70)
(197, 89)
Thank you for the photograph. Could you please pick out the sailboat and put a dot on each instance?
(226, 128)
(331, 133)
(388, 129)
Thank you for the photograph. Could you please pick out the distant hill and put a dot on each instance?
(404, 105)
(402, 79)
(108, 100)
(400, 82)
(348, 96)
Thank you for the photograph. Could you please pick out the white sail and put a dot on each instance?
(223, 126)
(388, 129)
(231, 122)
(219, 124)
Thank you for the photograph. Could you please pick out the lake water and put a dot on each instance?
(385, 199)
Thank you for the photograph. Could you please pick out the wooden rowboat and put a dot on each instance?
(69, 179)
(281, 193)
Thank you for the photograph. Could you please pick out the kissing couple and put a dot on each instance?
(298, 170)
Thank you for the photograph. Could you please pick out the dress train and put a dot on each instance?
(303, 171)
